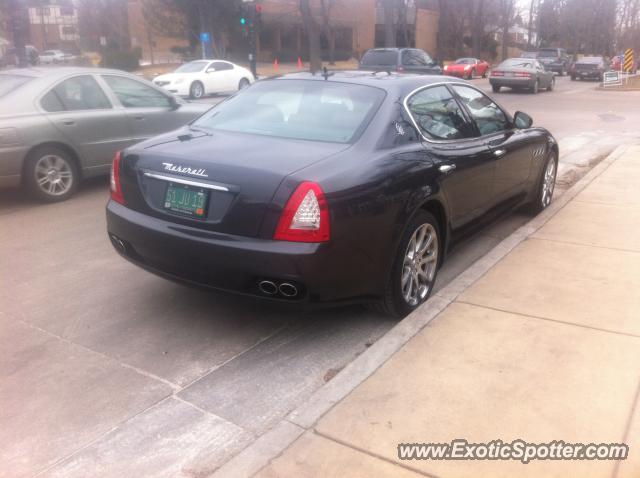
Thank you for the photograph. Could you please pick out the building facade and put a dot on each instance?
(54, 26)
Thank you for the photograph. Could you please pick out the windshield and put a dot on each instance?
(297, 109)
(516, 63)
(465, 61)
(8, 83)
(379, 57)
(192, 67)
(529, 54)
(548, 53)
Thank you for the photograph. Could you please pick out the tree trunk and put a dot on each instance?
(389, 24)
(531, 9)
(310, 25)
(477, 29)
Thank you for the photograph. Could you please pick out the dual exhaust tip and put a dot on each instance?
(285, 289)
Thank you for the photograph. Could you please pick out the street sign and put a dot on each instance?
(627, 63)
(205, 37)
(611, 78)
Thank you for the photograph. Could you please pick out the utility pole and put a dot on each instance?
(251, 17)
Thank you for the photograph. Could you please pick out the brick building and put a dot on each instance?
(357, 25)
(54, 26)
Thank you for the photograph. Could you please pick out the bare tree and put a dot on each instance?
(389, 23)
(313, 34)
(507, 16)
(325, 7)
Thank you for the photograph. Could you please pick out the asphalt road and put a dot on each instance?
(101, 361)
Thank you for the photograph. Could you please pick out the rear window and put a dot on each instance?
(548, 53)
(590, 59)
(379, 57)
(8, 83)
(297, 109)
(517, 63)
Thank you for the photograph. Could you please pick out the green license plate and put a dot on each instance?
(188, 200)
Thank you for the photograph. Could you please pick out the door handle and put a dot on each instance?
(498, 153)
(139, 118)
(68, 122)
(447, 168)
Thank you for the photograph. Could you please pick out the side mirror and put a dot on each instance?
(210, 70)
(522, 120)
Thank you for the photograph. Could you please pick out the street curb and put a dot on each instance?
(273, 443)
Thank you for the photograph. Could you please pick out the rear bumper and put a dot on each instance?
(233, 263)
(513, 82)
(591, 75)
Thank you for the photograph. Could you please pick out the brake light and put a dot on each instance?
(116, 187)
(497, 73)
(522, 74)
(305, 218)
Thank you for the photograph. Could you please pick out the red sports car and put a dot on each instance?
(467, 68)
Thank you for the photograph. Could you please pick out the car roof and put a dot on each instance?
(59, 72)
(389, 81)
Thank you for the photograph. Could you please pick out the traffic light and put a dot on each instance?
(243, 21)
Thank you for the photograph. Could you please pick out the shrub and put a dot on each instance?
(127, 60)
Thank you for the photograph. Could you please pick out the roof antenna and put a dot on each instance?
(325, 73)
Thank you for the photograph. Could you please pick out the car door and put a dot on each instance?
(219, 77)
(82, 112)
(511, 148)
(544, 75)
(464, 162)
(150, 111)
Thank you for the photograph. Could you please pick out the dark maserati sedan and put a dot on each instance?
(329, 188)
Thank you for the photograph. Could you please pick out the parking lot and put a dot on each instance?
(99, 356)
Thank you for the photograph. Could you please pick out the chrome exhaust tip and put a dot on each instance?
(267, 287)
(118, 244)
(288, 290)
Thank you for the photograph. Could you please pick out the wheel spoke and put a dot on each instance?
(43, 180)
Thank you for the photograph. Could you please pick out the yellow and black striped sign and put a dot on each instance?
(627, 64)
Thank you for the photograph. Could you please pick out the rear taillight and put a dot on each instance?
(305, 218)
(116, 187)
(522, 74)
(497, 73)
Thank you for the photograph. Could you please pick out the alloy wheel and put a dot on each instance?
(420, 264)
(54, 175)
(198, 90)
(548, 183)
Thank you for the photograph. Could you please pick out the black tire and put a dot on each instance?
(51, 174)
(393, 302)
(537, 205)
(196, 90)
(484, 75)
(552, 84)
(471, 74)
(243, 84)
(495, 88)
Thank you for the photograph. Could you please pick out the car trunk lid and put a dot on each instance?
(233, 175)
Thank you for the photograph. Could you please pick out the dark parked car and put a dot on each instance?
(555, 59)
(403, 60)
(334, 188)
(589, 68)
(521, 74)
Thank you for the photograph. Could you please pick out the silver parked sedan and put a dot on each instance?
(520, 74)
(59, 125)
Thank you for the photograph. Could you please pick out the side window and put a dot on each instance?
(414, 58)
(488, 116)
(221, 66)
(78, 93)
(437, 114)
(51, 103)
(134, 94)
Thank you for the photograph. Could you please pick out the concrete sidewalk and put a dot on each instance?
(543, 346)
